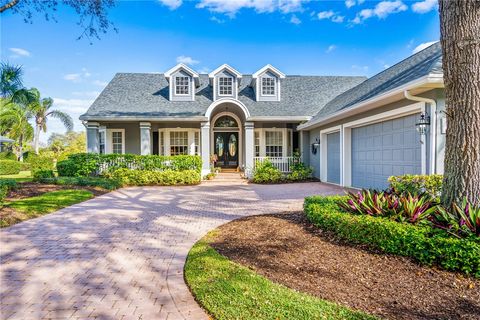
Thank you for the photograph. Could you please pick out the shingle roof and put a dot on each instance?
(423, 63)
(143, 95)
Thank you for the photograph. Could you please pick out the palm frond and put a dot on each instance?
(63, 117)
(10, 79)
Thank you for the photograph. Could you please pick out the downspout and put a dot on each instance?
(433, 127)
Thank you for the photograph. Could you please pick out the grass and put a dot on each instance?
(228, 290)
(33, 207)
(23, 176)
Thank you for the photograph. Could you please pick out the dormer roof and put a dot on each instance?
(270, 68)
(183, 67)
(225, 67)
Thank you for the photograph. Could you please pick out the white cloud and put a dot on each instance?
(100, 83)
(204, 70)
(217, 20)
(331, 48)
(382, 10)
(338, 19)
(77, 77)
(92, 94)
(422, 46)
(424, 6)
(231, 7)
(295, 20)
(330, 15)
(187, 60)
(351, 3)
(171, 4)
(19, 52)
(75, 106)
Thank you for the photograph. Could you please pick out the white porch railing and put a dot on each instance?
(284, 164)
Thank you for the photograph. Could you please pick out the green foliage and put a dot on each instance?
(109, 184)
(43, 174)
(3, 194)
(63, 145)
(90, 164)
(423, 243)
(462, 219)
(7, 155)
(228, 290)
(5, 186)
(9, 167)
(299, 172)
(25, 166)
(128, 177)
(266, 172)
(417, 184)
(40, 163)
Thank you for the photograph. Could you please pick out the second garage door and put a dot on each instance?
(384, 149)
(333, 157)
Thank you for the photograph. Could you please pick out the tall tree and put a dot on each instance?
(14, 119)
(42, 111)
(460, 39)
(10, 79)
(93, 18)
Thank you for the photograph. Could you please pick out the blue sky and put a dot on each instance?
(351, 37)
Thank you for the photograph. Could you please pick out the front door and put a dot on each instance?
(226, 149)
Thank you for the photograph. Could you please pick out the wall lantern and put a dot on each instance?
(315, 146)
(423, 123)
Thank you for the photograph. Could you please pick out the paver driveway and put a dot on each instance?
(121, 255)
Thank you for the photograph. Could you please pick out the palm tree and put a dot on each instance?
(41, 109)
(14, 119)
(10, 79)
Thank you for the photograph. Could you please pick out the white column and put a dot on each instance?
(249, 148)
(205, 145)
(145, 145)
(92, 137)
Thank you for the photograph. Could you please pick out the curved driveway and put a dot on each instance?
(121, 255)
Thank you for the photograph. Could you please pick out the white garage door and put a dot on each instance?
(384, 149)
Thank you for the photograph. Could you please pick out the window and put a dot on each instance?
(196, 142)
(225, 86)
(178, 143)
(182, 85)
(273, 144)
(117, 142)
(101, 142)
(226, 122)
(268, 86)
(257, 144)
(162, 143)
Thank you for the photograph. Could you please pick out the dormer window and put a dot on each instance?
(225, 86)
(182, 85)
(268, 86)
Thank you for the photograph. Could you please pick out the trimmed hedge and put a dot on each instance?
(127, 177)
(90, 164)
(108, 184)
(9, 167)
(43, 174)
(417, 184)
(424, 244)
(5, 186)
(40, 163)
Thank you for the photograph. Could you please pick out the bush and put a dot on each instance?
(5, 186)
(90, 164)
(108, 184)
(266, 172)
(417, 184)
(424, 244)
(7, 155)
(9, 167)
(43, 174)
(127, 177)
(25, 166)
(299, 172)
(40, 163)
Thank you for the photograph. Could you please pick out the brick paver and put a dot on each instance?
(121, 255)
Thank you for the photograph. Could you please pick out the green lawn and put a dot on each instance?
(228, 290)
(23, 176)
(40, 205)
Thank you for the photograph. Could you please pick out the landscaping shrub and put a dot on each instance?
(462, 219)
(266, 172)
(40, 163)
(109, 184)
(9, 167)
(25, 166)
(299, 172)
(423, 243)
(7, 155)
(417, 184)
(128, 177)
(90, 164)
(5, 186)
(43, 174)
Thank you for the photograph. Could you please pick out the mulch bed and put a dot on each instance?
(32, 189)
(289, 250)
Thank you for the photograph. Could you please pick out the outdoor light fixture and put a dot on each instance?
(423, 123)
(315, 146)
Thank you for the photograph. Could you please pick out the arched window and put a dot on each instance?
(226, 122)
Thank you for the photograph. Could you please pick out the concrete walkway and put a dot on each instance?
(121, 255)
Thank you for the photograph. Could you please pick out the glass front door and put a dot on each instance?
(226, 149)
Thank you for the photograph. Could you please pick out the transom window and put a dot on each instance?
(182, 85)
(117, 142)
(273, 144)
(178, 143)
(225, 86)
(226, 122)
(268, 86)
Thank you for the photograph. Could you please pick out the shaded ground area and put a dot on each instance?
(31, 189)
(287, 249)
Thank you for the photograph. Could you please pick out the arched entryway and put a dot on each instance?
(227, 138)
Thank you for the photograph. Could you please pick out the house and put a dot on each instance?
(353, 131)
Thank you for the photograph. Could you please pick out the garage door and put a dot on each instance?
(333, 157)
(384, 149)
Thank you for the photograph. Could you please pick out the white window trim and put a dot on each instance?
(166, 138)
(109, 143)
(275, 86)
(189, 86)
(233, 86)
(102, 130)
(263, 141)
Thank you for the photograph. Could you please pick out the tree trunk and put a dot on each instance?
(20, 148)
(36, 138)
(460, 39)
